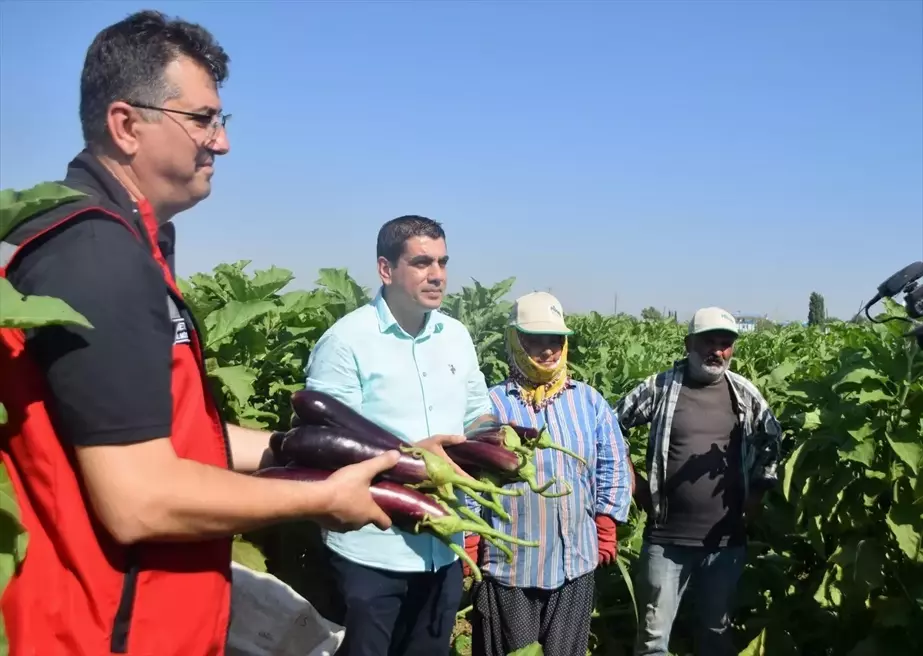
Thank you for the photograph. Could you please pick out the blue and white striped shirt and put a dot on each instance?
(581, 420)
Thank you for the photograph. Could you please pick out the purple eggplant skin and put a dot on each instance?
(493, 436)
(318, 408)
(332, 447)
(275, 446)
(483, 455)
(404, 506)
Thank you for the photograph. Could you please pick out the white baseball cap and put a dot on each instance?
(712, 318)
(539, 313)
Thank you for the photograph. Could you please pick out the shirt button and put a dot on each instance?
(424, 374)
(431, 407)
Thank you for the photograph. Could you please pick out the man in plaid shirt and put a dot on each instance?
(712, 453)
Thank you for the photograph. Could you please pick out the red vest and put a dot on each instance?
(78, 591)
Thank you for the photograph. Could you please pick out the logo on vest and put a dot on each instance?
(180, 332)
(180, 329)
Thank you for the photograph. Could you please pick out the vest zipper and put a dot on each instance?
(121, 624)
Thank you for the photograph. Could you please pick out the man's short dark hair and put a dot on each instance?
(395, 233)
(126, 62)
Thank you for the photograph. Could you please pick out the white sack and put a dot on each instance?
(268, 618)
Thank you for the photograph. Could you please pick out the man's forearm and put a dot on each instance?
(249, 448)
(144, 492)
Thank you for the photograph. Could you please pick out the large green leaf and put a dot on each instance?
(24, 312)
(908, 445)
(225, 322)
(16, 206)
(757, 646)
(906, 525)
(238, 379)
(269, 281)
(342, 286)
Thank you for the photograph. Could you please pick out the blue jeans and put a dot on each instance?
(664, 572)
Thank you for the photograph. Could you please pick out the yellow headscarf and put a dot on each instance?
(540, 385)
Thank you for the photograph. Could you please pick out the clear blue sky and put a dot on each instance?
(679, 154)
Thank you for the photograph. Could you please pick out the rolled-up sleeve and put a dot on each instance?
(613, 471)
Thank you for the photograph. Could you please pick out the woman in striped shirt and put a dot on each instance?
(545, 594)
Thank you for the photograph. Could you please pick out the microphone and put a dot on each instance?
(896, 283)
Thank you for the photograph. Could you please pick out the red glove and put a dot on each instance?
(472, 542)
(608, 544)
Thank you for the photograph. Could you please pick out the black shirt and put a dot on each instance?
(703, 491)
(111, 384)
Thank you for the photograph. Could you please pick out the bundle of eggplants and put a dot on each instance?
(519, 443)
(411, 511)
(331, 435)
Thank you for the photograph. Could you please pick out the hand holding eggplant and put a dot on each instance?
(410, 510)
(437, 443)
(352, 504)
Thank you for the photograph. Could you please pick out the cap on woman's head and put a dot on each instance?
(539, 313)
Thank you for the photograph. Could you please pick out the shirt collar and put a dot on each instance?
(387, 323)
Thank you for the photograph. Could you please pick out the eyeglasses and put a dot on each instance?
(211, 122)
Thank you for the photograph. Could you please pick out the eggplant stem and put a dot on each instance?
(533, 484)
(470, 514)
(475, 570)
(501, 547)
(541, 491)
(441, 473)
(493, 505)
(557, 447)
(449, 524)
(474, 517)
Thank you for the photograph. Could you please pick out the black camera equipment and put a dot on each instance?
(904, 281)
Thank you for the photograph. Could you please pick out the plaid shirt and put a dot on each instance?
(654, 402)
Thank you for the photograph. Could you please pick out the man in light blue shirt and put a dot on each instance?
(413, 370)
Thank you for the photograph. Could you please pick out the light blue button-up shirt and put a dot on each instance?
(415, 387)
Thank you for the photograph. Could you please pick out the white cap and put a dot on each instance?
(539, 313)
(712, 318)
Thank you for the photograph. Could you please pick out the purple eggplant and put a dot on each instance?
(484, 455)
(321, 409)
(332, 447)
(409, 510)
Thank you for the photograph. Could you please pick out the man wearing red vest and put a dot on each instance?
(129, 484)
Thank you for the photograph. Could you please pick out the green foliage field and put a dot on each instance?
(836, 563)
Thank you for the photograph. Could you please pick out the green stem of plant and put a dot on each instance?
(557, 447)
(464, 611)
(441, 473)
(475, 571)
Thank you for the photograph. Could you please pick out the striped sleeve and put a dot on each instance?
(613, 473)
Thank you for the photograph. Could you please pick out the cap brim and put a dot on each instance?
(543, 329)
(716, 329)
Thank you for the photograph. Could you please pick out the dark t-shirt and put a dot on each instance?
(111, 384)
(703, 494)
